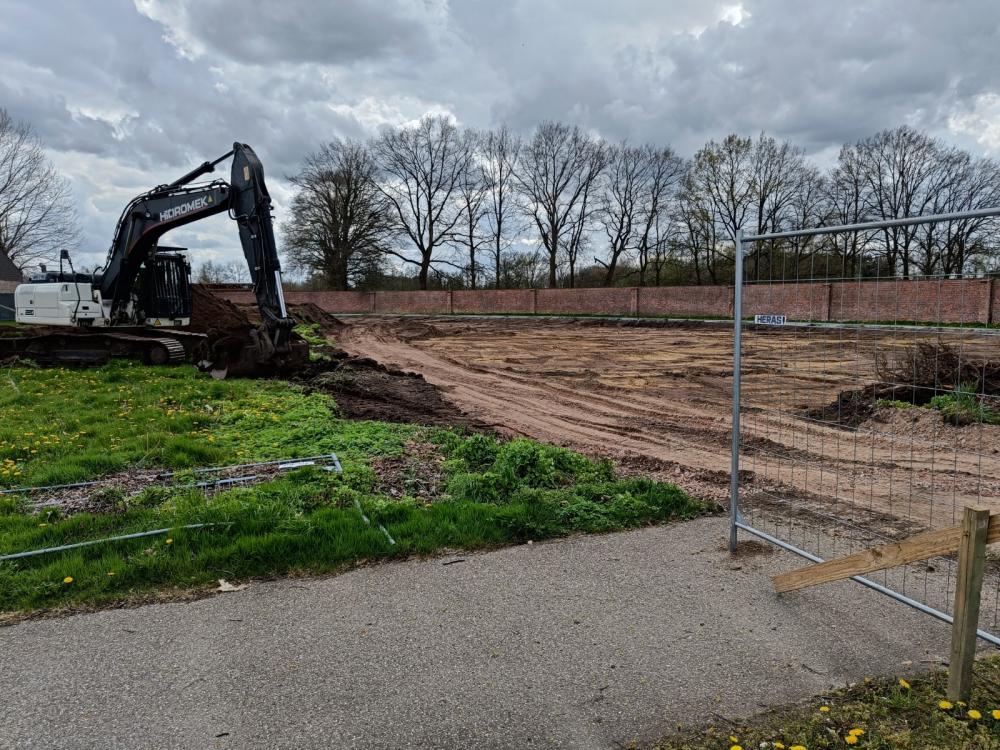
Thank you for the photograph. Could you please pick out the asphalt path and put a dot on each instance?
(590, 642)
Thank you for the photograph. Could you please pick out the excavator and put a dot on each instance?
(140, 302)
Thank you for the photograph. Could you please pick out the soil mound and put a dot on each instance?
(210, 313)
(313, 314)
(365, 389)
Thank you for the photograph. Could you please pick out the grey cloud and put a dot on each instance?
(126, 99)
(302, 31)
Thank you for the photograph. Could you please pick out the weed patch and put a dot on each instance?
(877, 714)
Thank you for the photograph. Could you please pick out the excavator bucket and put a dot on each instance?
(231, 356)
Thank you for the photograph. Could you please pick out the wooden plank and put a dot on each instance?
(968, 593)
(912, 549)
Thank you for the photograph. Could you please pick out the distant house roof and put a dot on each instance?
(8, 271)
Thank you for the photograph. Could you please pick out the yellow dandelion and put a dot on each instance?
(946, 705)
(856, 732)
(68, 579)
(974, 714)
(736, 747)
(851, 739)
(778, 745)
(824, 709)
(995, 713)
(904, 684)
(733, 739)
(797, 747)
(111, 572)
(169, 540)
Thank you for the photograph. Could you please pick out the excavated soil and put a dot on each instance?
(210, 313)
(658, 400)
(366, 389)
(362, 387)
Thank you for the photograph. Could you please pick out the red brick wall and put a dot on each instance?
(942, 301)
(345, 302)
(586, 301)
(341, 302)
(680, 301)
(421, 303)
(946, 301)
(494, 301)
(795, 301)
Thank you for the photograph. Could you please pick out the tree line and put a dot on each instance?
(463, 208)
(435, 205)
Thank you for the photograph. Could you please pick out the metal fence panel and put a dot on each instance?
(866, 403)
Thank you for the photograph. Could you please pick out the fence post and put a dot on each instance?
(734, 477)
(968, 592)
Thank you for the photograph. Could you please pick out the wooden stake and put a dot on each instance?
(968, 591)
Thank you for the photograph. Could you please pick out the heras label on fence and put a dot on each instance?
(770, 320)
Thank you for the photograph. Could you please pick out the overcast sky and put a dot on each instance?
(129, 95)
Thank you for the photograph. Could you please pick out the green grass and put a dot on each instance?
(964, 405)
(59, 425)
(891, 715)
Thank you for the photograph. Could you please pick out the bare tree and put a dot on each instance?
(229, 272)
(739, 183)
(640, 183)
(500, 152)
(208, 273)
(899, 168)
(954, 247)
(558, 170)
(845, 204)
(697, 215)
(37, 219)
(339, 223)
(581, 221)
(473, 191)
(422, 169)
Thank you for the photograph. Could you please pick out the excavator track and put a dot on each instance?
(155, 350)
(83, 349)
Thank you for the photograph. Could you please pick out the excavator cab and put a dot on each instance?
(164, 288)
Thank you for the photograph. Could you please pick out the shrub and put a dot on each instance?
(963, 406)
(528, 463)
(478, 453)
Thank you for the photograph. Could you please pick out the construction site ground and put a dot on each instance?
(657, 398)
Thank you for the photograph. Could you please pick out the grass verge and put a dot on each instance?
(69, 425)
(877, 714)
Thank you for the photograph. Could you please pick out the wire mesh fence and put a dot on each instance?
(866, 404)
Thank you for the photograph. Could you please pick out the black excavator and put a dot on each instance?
(140, 302)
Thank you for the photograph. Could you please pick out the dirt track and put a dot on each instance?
(658, 399)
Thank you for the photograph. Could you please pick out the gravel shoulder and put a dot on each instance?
(591, 642)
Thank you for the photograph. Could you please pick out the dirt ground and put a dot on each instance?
(658, 400)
